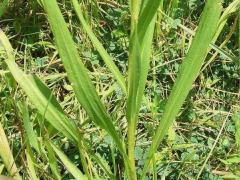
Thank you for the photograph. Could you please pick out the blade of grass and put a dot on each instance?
(40, 95)
(139, 60)
(28, 127)
(30, 162)
(32, 140)
(172, 7)
(224, 53)
(228, 36)
(53, 161)
(188, 73)
(104, 165)
(146, 16)
(98, 45)
(83, 157)
(231, 9)
(77, 74)
(88, 154)
(68, 164)
(6, 155)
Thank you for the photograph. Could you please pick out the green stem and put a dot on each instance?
(132, 121)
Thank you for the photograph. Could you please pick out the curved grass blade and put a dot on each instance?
(31, 162)
(77, 73)
(104, 165)
(52, 161)
(146, 16)
(6, 155)
(231, 9)
(28, 127)
(84, 159)
(98, 45)
(40, 95)
(68, 164)
(188, 72)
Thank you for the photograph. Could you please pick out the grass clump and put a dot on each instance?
(79, 107)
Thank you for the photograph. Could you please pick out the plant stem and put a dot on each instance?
(132, 120)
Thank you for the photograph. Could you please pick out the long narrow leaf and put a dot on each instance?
(148, 12)
(31, 162)
(28, 126)
(52, 161)
(98, 45)
(188, 72)
(139, 60)
(77, 73)
(6, 155)
(68, 164)
(232, 8)
(40, 95)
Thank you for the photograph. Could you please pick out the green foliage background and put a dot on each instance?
(212, 102)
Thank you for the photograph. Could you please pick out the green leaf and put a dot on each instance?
(146, 17)
(231, 160)
(231, 9)
(31, 162)
(98, 45)
(68, 164)
(6, 155)
(139, 61)
(52, 161)
(188, 72)
(40, 95)
(28, 126)
(103, 164)
(77, 73)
